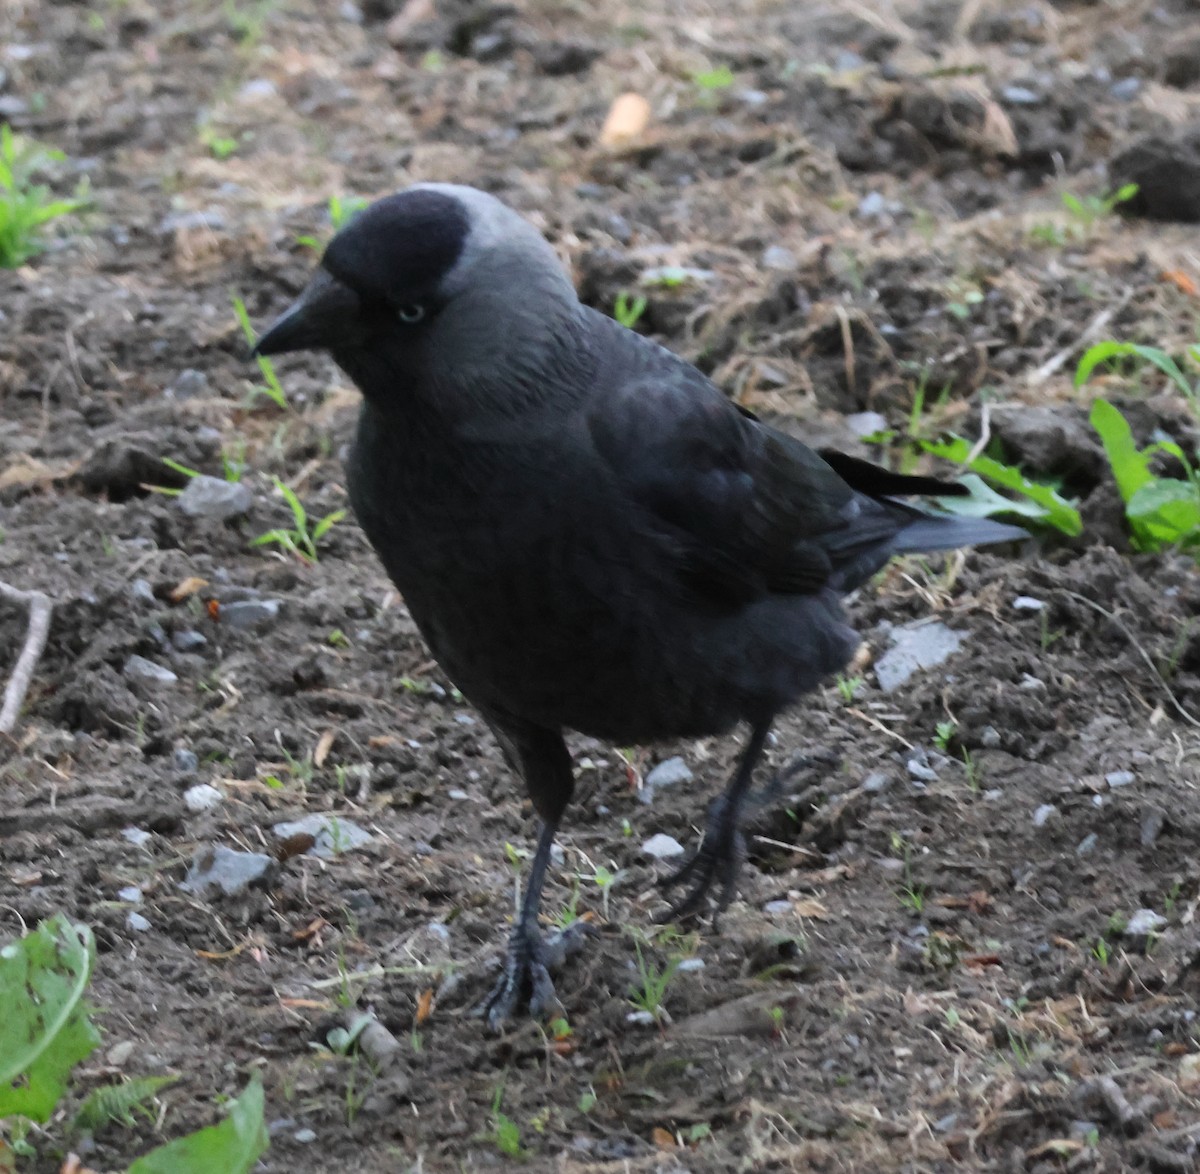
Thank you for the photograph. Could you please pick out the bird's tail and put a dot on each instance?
(928, 532)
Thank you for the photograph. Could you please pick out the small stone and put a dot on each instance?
(457, 795)
(202, 797)
(919, 768)
(464, 719)
(246, 615)
(136, 921)
(556, 857)
(872, 205)
(185, 760)
(189, 640)
(916, 646)
(641, 1018)
(138, 668)
(675, 275)
(217, 868)
(689, 965)
(667, 773)
(989, 737)
(1152, 826)
(1126, 89)
(1120, 778)
(214, 497)
(1087, 845)
(136, 836)
(119, 1053)
(1019, 96)
(141, 592)
(1082, 1130)
(875, 782)
(332, 835)
(778, 257)
(662, 847)
(256, 90)
(866, 423)
(1031, 684)
(1028, 603)
(130, 893)
(847, 60)
(188, 384)
(305, 1136)
(1144, 922)
(780, 906)
(1044, 814)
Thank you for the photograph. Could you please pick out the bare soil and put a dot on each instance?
(919, 975)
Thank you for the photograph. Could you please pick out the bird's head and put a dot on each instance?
(436, 282)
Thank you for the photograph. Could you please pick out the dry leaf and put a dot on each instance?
(311, 930)
(220, 955)
(664, 1139)
(979, 961)
(1181, 280)
(295, 845)
(810, 907)
(305, 1004)
(186, 588)
(424, 1006)
(324, 745)
(628, 117)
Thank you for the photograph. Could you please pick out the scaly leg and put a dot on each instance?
(723, 848)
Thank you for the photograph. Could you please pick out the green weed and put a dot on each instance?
(651, 988)
(341, 210)
(271, 386)
(300, 540)
(628, 309)
(26, 207)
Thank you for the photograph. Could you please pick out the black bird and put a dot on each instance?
(588, 533)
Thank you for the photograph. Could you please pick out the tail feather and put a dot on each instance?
(946, 532)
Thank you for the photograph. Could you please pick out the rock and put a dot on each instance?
(641, 1018)
(141, 592)
(662, 847)
(1152, 826)
(780, 906)
(778, 257)
(1087, 845)
(1027, 603)
(875, 782)
(130, 893)
(866, 423)
(1143, 923)
(1167, 172)
(332, 835)
(247, 615)
(216, 868)
(690, 965)
(202, 797)
(119, 468)
(189, 640)
(675, 275)
(1120, 778)
(1051, 441)
(1126, 89)
(188, 384)
(1044, 814)
(915, 646)
(136, 921)
(214, 497)
(558, 58)
(185, 760)
(146, 672)
(920, 768)
(666, 774)
(1020, 96)
(136, 836)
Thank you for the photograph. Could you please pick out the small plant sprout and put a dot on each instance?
(848, 687)
(300, 540)
(628, 309)
(651, 988)
(341, 210)
(944, 735)
(505, 1133)
(219, 146)
(713, 80)
(515, 856)
(271, 387)
(910, 894)
(26, 207)
(605, 879)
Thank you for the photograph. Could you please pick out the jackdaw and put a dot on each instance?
(588, 533)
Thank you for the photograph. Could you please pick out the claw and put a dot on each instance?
(719, 857)
(526, 975)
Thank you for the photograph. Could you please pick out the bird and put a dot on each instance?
(589, 534)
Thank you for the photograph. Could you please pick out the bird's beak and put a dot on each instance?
(320, 317)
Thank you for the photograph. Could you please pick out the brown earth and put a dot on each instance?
(920, 975)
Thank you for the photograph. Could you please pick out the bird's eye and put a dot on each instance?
(411, 313)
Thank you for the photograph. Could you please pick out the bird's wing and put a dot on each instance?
(749, 509)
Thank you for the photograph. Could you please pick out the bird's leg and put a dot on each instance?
(525, 973)
(723, 848)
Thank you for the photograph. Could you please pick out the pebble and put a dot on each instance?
(138, 668)
(1032, 684)
(1027, 603)
(305, 1136)
(136, 836)
(866, 423)
(188, 384)
(332, 835)
(1087, 845)
(250, 614)
(185, 760)
(642, 1018)
(876, 781)
(188, 640)
(1126, 89)
(136, 921)
(673, 275)
(919, 768)
(1152, 826)
(1019, 96)
(1044, 814)
(666, 774)
(130, 893)
(119, 1053)
(989, 737)
(202, 797)
(916, 646)
(778, 257)
(215, 867)
(1120, 778)
(780, 906)
(214, 497)
(141, 592)
(457, 794)
(662, 847)
(256, 90)
(1143, 922)
(689, 965)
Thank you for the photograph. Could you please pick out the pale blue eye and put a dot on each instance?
(411, 313)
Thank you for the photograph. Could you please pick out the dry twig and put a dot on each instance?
(40, 607)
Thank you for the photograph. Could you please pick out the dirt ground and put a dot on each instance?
(930, 966)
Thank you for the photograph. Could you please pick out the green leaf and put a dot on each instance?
(323, 526)
(985, 502)
(45, 1029)
(1130, 467)
(1165, 511)
(232, 1147)
(1102, 352)
(1059, 512)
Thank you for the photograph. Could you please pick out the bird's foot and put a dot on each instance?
(719, 857)
(525, 976)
